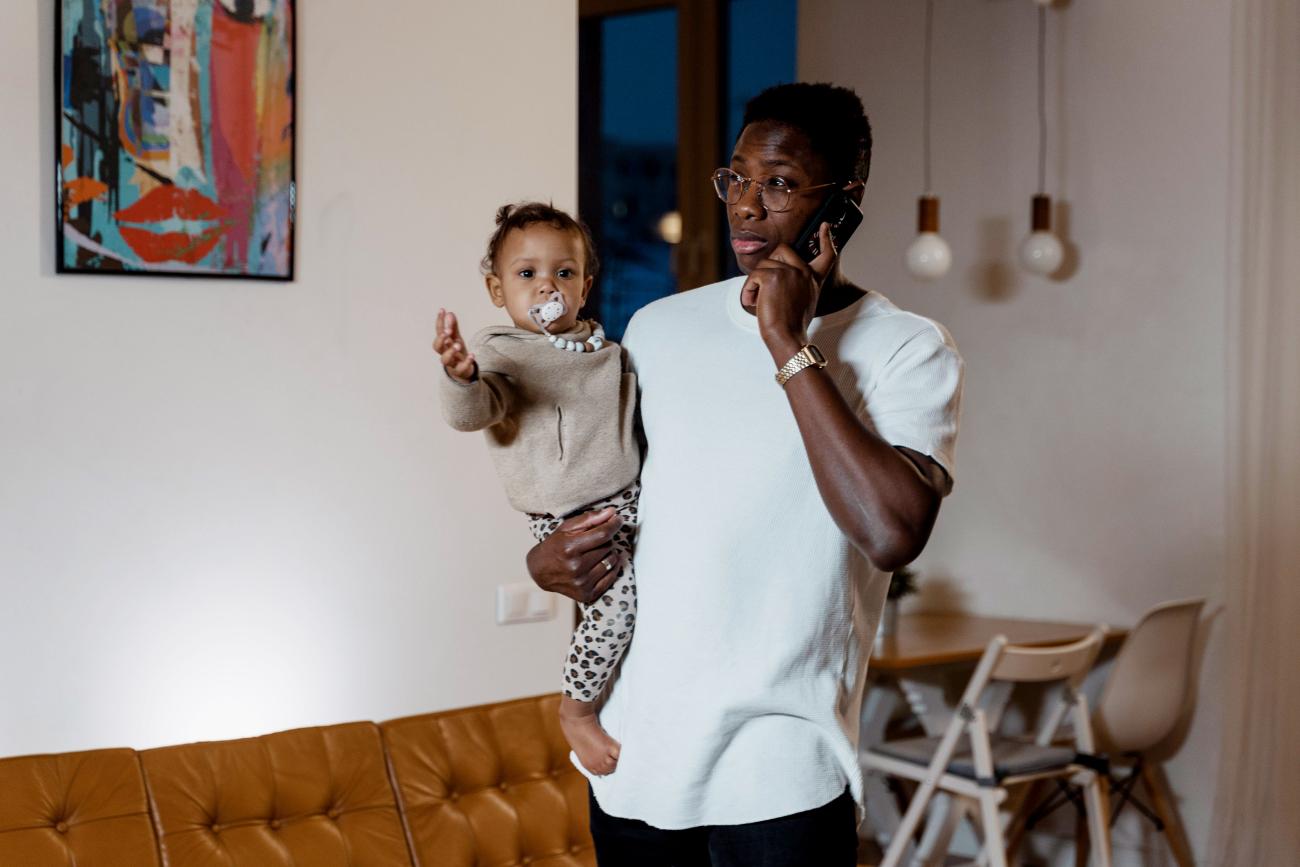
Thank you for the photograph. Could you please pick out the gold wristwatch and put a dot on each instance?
(809, 356)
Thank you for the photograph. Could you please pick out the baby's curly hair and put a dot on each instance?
(522, 214)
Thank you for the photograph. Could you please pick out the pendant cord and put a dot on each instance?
(925, 114)
(1042, 100)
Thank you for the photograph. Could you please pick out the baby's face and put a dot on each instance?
(533, 263)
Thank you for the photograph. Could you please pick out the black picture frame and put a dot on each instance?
(177, 270)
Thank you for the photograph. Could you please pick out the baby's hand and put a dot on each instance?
(451, 349)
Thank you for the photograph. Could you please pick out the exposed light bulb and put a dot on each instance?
(1041, 252)
(670, 227)
(928, 256)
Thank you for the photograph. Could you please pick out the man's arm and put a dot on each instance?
(884, 498)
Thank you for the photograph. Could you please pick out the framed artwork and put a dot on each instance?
(174, 132)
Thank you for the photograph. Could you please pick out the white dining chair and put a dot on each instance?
(1141, 703)
(971, 761)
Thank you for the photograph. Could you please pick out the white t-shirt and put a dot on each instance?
(738, 699)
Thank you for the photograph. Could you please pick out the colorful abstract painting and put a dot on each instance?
(175, 134)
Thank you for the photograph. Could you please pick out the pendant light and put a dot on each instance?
(1041, 252)
(928, 257)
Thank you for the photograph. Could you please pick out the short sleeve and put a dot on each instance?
(916, 399)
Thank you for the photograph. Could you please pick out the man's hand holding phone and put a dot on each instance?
(783, 290)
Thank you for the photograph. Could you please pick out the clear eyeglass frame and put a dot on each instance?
(731, 187)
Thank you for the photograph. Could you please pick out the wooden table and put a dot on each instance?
(946, 639)
(915, 665)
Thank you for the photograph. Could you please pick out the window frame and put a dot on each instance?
(700, 72)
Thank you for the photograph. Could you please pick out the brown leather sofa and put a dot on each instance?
(487, 786)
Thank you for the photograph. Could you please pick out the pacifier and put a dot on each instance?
(551, 310)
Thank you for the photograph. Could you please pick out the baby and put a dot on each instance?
(557, 404)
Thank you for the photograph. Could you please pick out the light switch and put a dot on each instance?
(523, 603)
(541, 604)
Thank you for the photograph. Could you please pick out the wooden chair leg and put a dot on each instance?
(1081, 848)
(941, 822)
(1155, 784)
(1095, 797)
(902, 838)
(991, 819)
(1020, 813)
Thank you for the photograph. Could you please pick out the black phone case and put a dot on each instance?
(842, 213)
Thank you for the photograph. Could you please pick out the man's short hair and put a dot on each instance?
(832, 117)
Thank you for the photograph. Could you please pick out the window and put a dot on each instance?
(662, 87)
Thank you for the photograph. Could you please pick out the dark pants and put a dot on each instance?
(823, 837)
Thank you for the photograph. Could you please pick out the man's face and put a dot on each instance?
(773, 154)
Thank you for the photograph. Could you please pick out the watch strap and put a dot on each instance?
(808, 356)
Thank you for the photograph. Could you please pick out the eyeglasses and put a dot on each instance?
(774, 193)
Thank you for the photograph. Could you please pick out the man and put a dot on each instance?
(771, 517)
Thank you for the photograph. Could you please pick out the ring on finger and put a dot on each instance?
(608, 565)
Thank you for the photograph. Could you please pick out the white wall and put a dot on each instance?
(227, 507)
(1090, 466)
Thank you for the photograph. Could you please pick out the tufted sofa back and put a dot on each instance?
(87, 809)
(490, 786)
(487, 786)
(317, 796)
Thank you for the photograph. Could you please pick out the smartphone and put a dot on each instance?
(842, 213)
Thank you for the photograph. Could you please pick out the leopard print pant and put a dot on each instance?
(606, 626)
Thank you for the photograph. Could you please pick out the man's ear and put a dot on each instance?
(495, 290)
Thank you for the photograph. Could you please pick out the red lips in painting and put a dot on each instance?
(166, 203)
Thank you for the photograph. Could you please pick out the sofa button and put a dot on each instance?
(335, 813)
(62, 827)
(275, 824)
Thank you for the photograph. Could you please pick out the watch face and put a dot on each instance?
(815, 354)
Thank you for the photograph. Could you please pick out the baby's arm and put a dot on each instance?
(472, 398)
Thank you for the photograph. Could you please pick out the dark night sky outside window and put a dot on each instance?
(638, 141)
(760, 53)
(637, 152)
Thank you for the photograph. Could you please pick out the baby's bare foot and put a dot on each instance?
(597, 751)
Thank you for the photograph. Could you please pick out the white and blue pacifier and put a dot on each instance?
(551, 311)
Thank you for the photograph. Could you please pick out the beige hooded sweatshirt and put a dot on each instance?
(559, 424)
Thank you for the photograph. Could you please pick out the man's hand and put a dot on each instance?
(578, 559)
(783, 290)
(460, 364)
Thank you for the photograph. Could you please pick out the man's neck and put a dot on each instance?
(837, 293)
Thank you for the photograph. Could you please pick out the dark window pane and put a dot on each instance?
(638, 177)
(761, 40)
(629, 137)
